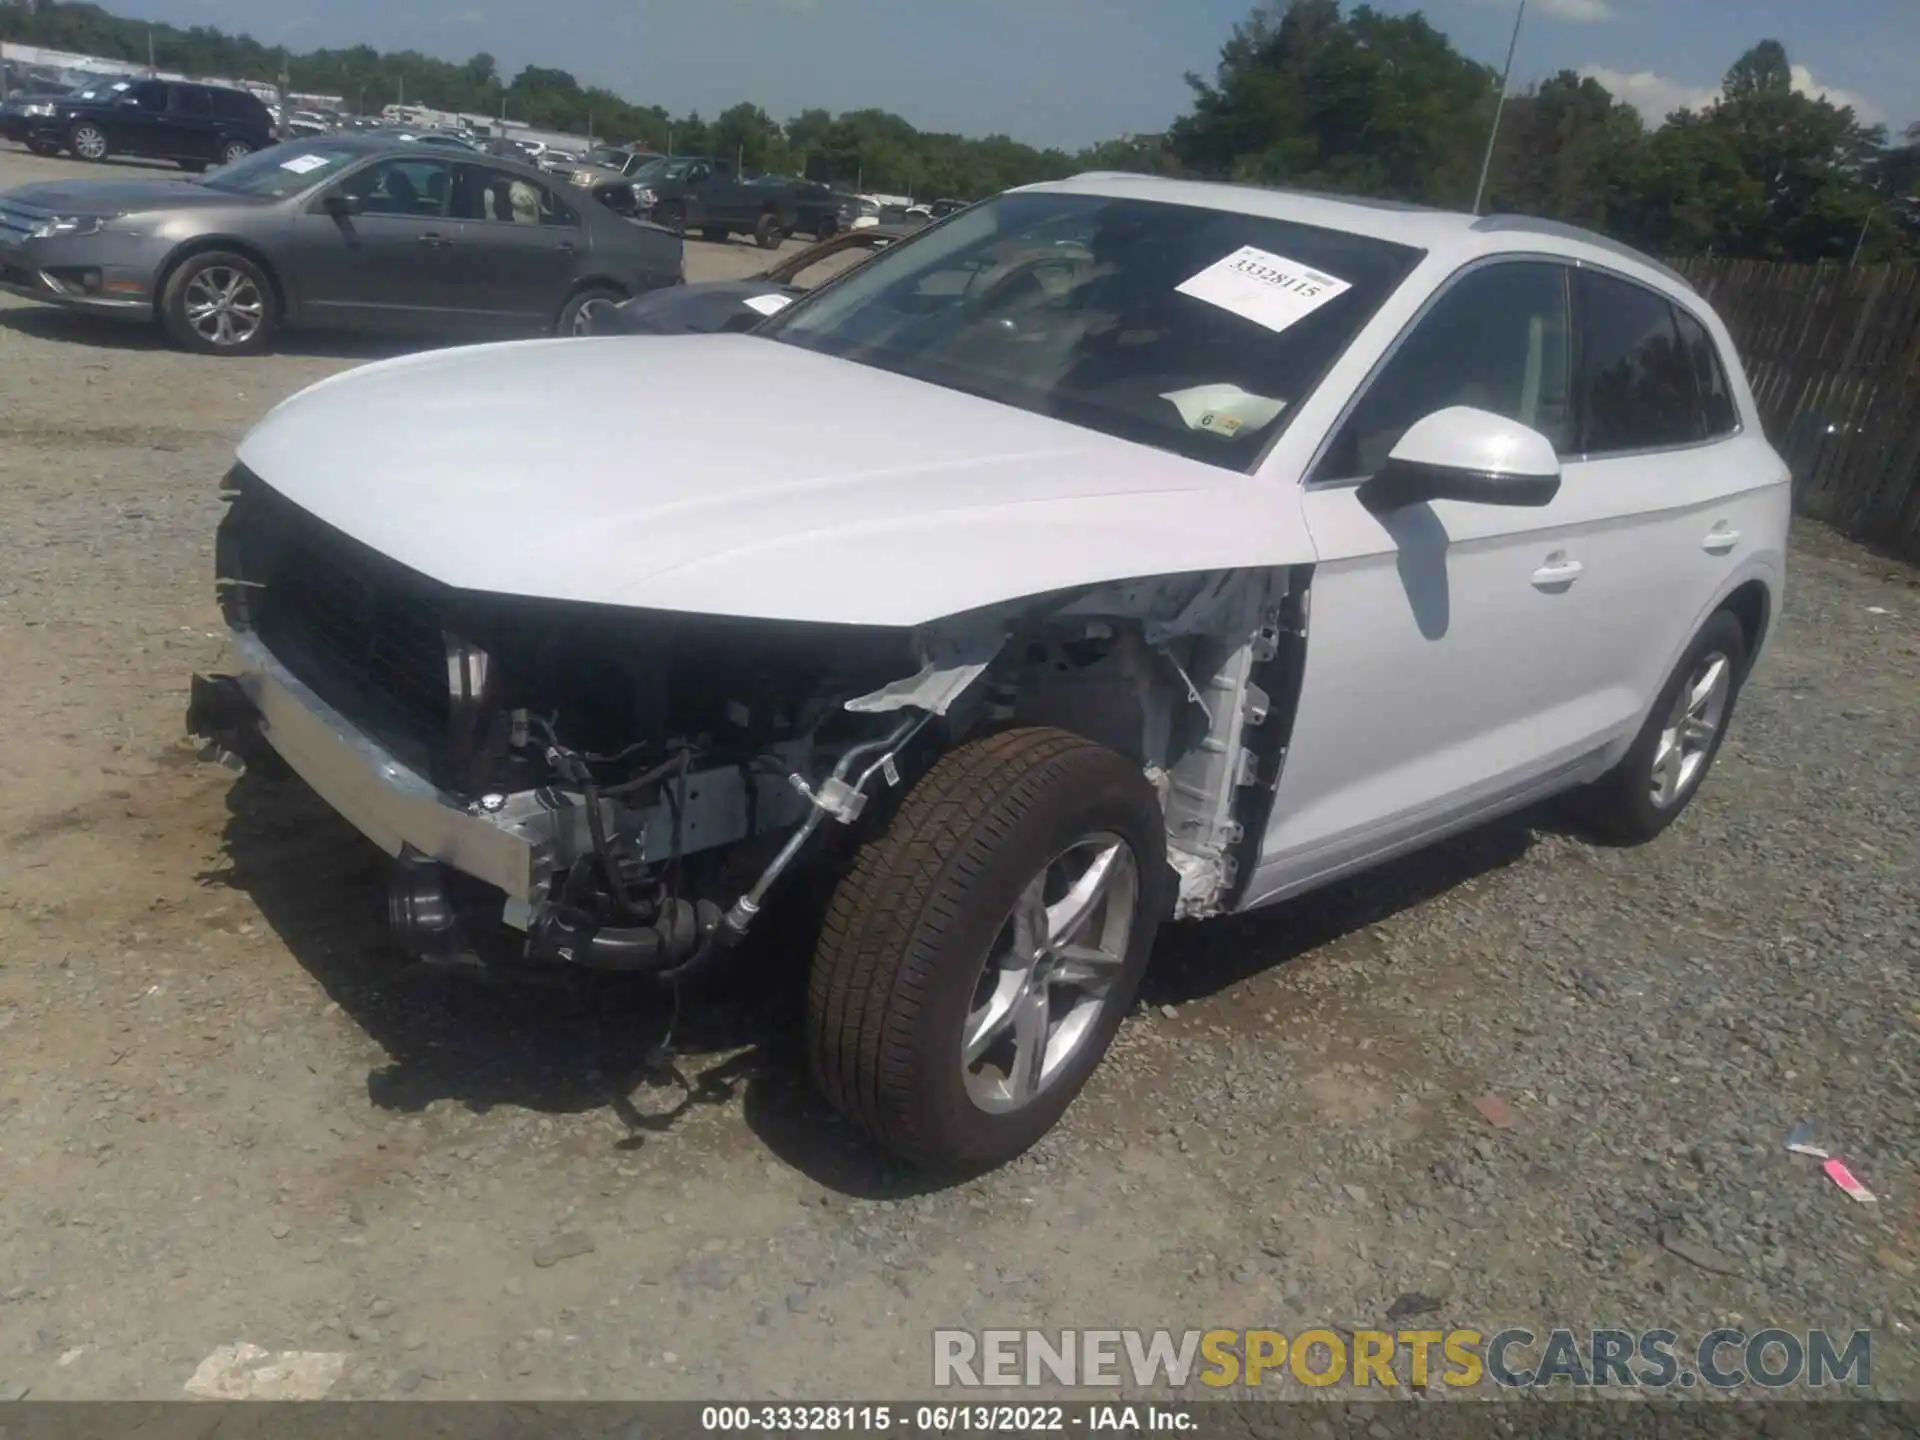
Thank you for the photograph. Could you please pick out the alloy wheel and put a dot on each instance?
(224, 306)
(234, 150)
(587, 317)
(1051, 973)
(89, 143)
(1686, 740)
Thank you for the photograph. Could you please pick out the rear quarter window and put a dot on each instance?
(1718, 414)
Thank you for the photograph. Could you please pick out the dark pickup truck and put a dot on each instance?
(691, 193)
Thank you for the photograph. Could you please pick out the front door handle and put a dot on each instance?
(567, 247)
(1720, 540)
(435, 240)
(1558, 573)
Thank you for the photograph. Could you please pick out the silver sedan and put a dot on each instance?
(337, 232)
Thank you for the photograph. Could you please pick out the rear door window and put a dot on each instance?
(1635, 385)
(192, 101)
(513, 199)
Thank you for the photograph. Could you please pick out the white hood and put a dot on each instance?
(730, 475)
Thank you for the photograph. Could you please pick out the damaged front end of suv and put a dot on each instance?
(621, 790)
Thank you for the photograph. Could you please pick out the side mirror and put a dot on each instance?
(1461, 453)
(340, 206)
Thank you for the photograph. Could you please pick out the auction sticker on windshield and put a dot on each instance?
(301, 164)
(768, 304)
(1265, 288)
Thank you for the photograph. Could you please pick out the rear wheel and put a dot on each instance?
(826, 229)
(1670, 757)
(234, 150)
(766, 232)
(980, 952)
(220, 303)
(581, 312)
(87, 141)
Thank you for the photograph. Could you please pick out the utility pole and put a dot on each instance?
(151, 69)
(1493, 132)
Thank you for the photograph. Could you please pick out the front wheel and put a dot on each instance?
(672, 217)
(234, 150)
(767, 232)
(981, 951)
(826, 230)
(220, 303)
(87, 141)
(1663, 769)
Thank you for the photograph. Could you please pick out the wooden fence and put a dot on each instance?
(1834, 357)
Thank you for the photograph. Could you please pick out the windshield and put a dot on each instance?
(282, 170)
(1193, 330)
(611, 159)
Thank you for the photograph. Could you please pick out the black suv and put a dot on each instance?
(196, 125)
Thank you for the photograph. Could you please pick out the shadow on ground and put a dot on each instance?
(72, 327)
(587, 1041)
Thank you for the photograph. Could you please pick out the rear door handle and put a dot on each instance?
(435, 239)
(1720, 540)
(1557, 573)
(567, 247)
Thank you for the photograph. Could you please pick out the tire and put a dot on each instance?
(766, 232)
(199, 281)
(717, 234)
(577, 315)
(1663, 769)
(672, 216)
(826, 230)
(41, 147)
(234, 150)
(87, 141)
(919, 939)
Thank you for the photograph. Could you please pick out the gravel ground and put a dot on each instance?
(226, 1116)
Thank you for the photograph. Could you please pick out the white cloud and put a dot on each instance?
(1656, 96)
(1804, 82)
(1575, 12)
(1578, 12)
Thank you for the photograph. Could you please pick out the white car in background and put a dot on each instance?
(1119, 550)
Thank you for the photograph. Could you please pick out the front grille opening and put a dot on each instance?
(365, 633)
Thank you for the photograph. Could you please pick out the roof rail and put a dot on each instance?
(1534, 225)
(1366, 202)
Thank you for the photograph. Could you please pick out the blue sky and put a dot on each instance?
(1066, 72)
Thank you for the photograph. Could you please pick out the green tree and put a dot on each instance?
(1568, 151)
(1368, 103)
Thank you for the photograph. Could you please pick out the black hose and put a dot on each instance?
(682, 930)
